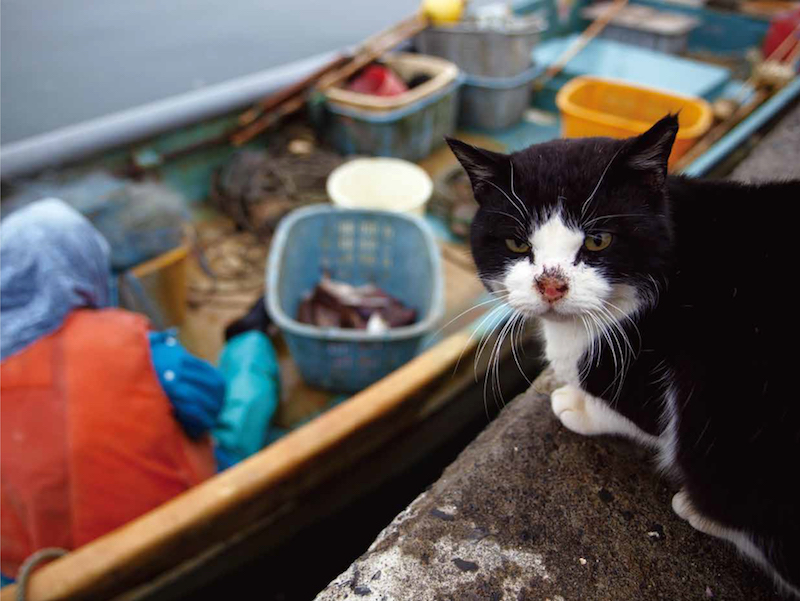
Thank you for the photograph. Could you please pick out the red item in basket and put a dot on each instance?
(377, 80)
(782, 26)
(335, 304)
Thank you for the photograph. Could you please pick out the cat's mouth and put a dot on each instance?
(554, 314)
(565, 309)
(557, 313)
(551, 311)
(564, 299)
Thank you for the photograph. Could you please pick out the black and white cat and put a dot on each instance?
(666, 307)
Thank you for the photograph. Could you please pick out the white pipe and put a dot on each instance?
(75, 142)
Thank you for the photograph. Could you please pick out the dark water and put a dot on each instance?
(66, 61)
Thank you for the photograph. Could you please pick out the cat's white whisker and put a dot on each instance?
(621, 353)
(513, 193)
(475, 331)
(656, 290)
(489, 365)
(588, 223)
(520, 322)
(613, 321)
(629, 319)
(496, 299)
(496, 352)
(486, 338)
(604, 332)
(490, 368)
(627, 353)
(503, 192)
(590, 359)
(600, 181)
(499, 314)
(522, 225)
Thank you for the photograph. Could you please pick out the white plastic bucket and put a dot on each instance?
(380, 183)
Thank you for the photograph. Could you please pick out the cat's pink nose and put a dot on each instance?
(552, 287)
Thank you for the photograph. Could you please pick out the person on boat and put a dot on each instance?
(101, 419)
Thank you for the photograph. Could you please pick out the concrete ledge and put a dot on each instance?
(530, 510)
(776, 156)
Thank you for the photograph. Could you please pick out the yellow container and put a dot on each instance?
(165, 281)
(594, 106)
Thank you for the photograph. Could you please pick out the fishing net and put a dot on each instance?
(140, 220)
(256, 188)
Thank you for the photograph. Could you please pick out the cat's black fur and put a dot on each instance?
(721, 260)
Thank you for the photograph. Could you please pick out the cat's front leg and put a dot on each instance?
(582, 413)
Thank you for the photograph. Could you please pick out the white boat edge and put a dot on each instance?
(74, 142)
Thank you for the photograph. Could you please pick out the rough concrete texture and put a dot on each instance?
(531, 510)
(777, 156)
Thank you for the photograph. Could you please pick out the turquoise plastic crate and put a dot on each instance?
(615, 60)
(396, 252)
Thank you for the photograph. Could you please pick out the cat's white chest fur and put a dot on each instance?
(565, 344)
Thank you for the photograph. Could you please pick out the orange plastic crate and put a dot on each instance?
(594, 106)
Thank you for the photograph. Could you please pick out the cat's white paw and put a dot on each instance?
(684, 509)
(682, 506)
(585, 414)
(567, 398)
(569, 405)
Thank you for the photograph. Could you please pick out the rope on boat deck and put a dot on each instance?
(31, 564)
(256, 188)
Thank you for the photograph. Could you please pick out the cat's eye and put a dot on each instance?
(597, 242)
(517, 247)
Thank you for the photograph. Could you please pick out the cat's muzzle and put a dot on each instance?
(552, 285)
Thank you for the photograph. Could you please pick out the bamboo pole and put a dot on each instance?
(716, 133)
(273, 101)
(290, 101)
(580, 43)
(744, 110)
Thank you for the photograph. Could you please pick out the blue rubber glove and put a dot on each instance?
(224, 458)
(250, 366)
(195, 387)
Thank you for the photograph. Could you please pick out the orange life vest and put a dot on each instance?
(88, 438)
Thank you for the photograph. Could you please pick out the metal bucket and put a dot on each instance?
(496, 102)
(481, 51)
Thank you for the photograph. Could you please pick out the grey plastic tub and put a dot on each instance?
(669, 42)
(496, 102)
(645, 26)
(485, 52)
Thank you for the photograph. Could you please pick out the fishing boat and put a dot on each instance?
(332, 449)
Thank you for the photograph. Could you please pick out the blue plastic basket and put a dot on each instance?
(396, 252)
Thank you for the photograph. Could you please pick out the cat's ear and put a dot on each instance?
(650, 151)
(482, 166)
